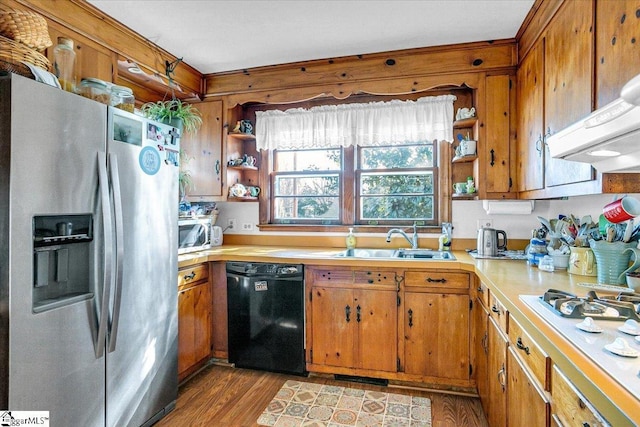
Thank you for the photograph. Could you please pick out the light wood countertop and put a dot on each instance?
(506, 279)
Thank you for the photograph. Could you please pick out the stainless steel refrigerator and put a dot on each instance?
(88, 259)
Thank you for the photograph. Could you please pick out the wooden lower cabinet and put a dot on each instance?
(437, 335)
(194, 319)
(527, 405)
(497, 375)
(354, 328)
(411, 325)
(569, 407)
(481, 348)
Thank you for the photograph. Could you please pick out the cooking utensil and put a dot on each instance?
(545, 222)
(628, 231)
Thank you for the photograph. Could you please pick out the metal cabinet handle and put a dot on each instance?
(347, 313)
(358, 314)
(493, 157)
(217, 167)
(495, 310)
(539, 145)
(410, 312)
(480, 289)
(430, 280)
(521, 346)
(501, 377)
(190, 276)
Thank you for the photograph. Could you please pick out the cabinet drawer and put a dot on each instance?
(482, 293)
(498, 313)
(436, 279)
(530, 353)
(375, 277)
(339, 277)
(193, 274)
(569, 405)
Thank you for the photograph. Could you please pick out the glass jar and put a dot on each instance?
(536, 251)
(95, 89)
(64, 60)
(122, 98)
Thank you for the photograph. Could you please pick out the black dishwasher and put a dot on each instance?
(266, 316)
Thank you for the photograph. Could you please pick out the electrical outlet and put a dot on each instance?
(231, 223)
(247, 226)
(484, 223)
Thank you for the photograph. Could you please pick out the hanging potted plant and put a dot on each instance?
(176, 113)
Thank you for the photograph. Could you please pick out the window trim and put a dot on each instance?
(442, 201)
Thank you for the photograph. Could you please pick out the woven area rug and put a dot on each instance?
(305, 404)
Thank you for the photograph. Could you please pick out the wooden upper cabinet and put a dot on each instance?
(617, 47)
(496, 160)
(92, 60)
(530, 120)
(568, 73)
(204, 151)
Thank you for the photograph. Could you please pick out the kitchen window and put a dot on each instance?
(364, 164)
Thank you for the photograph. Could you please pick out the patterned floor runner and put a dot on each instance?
(316, 405)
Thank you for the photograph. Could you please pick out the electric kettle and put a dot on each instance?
(489, 241)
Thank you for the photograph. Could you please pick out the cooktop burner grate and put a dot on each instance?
(619, 307)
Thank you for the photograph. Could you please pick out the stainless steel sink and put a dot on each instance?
(424, 254)
(367, 253)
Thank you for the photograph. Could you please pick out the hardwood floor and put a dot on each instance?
(221, 396)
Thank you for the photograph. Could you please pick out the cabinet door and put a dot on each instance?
(376, 320)
(530, 113)
(91, 59)
(481, 319)
(437, 335)
(204, 153)
(497, 144)
(527, 404)
(497, 371)
(333, 317)
(186, 329)
(617, 57)
(568, 73)
(202, 321)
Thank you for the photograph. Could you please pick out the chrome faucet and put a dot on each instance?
(412, 241)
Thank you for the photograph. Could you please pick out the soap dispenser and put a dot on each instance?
(351, 239)
(444, 242)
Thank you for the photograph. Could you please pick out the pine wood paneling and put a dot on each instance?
(344, 71)
(92, 24)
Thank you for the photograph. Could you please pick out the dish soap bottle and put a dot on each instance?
(351, 239)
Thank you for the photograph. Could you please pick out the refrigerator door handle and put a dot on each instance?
(117, 204)
(107, 222)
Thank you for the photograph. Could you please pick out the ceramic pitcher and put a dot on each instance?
(582, 262)
(612, 260)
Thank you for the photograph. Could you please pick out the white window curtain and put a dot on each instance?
(376, 123)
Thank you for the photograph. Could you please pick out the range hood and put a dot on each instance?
(609, 138)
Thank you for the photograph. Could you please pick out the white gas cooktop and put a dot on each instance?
(625, 370)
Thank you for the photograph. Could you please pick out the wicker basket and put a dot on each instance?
(15, 52)
(8, 67)
(25, 27)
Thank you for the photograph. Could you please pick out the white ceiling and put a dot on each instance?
(223, 35)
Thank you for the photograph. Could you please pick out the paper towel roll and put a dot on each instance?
(508, 207)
